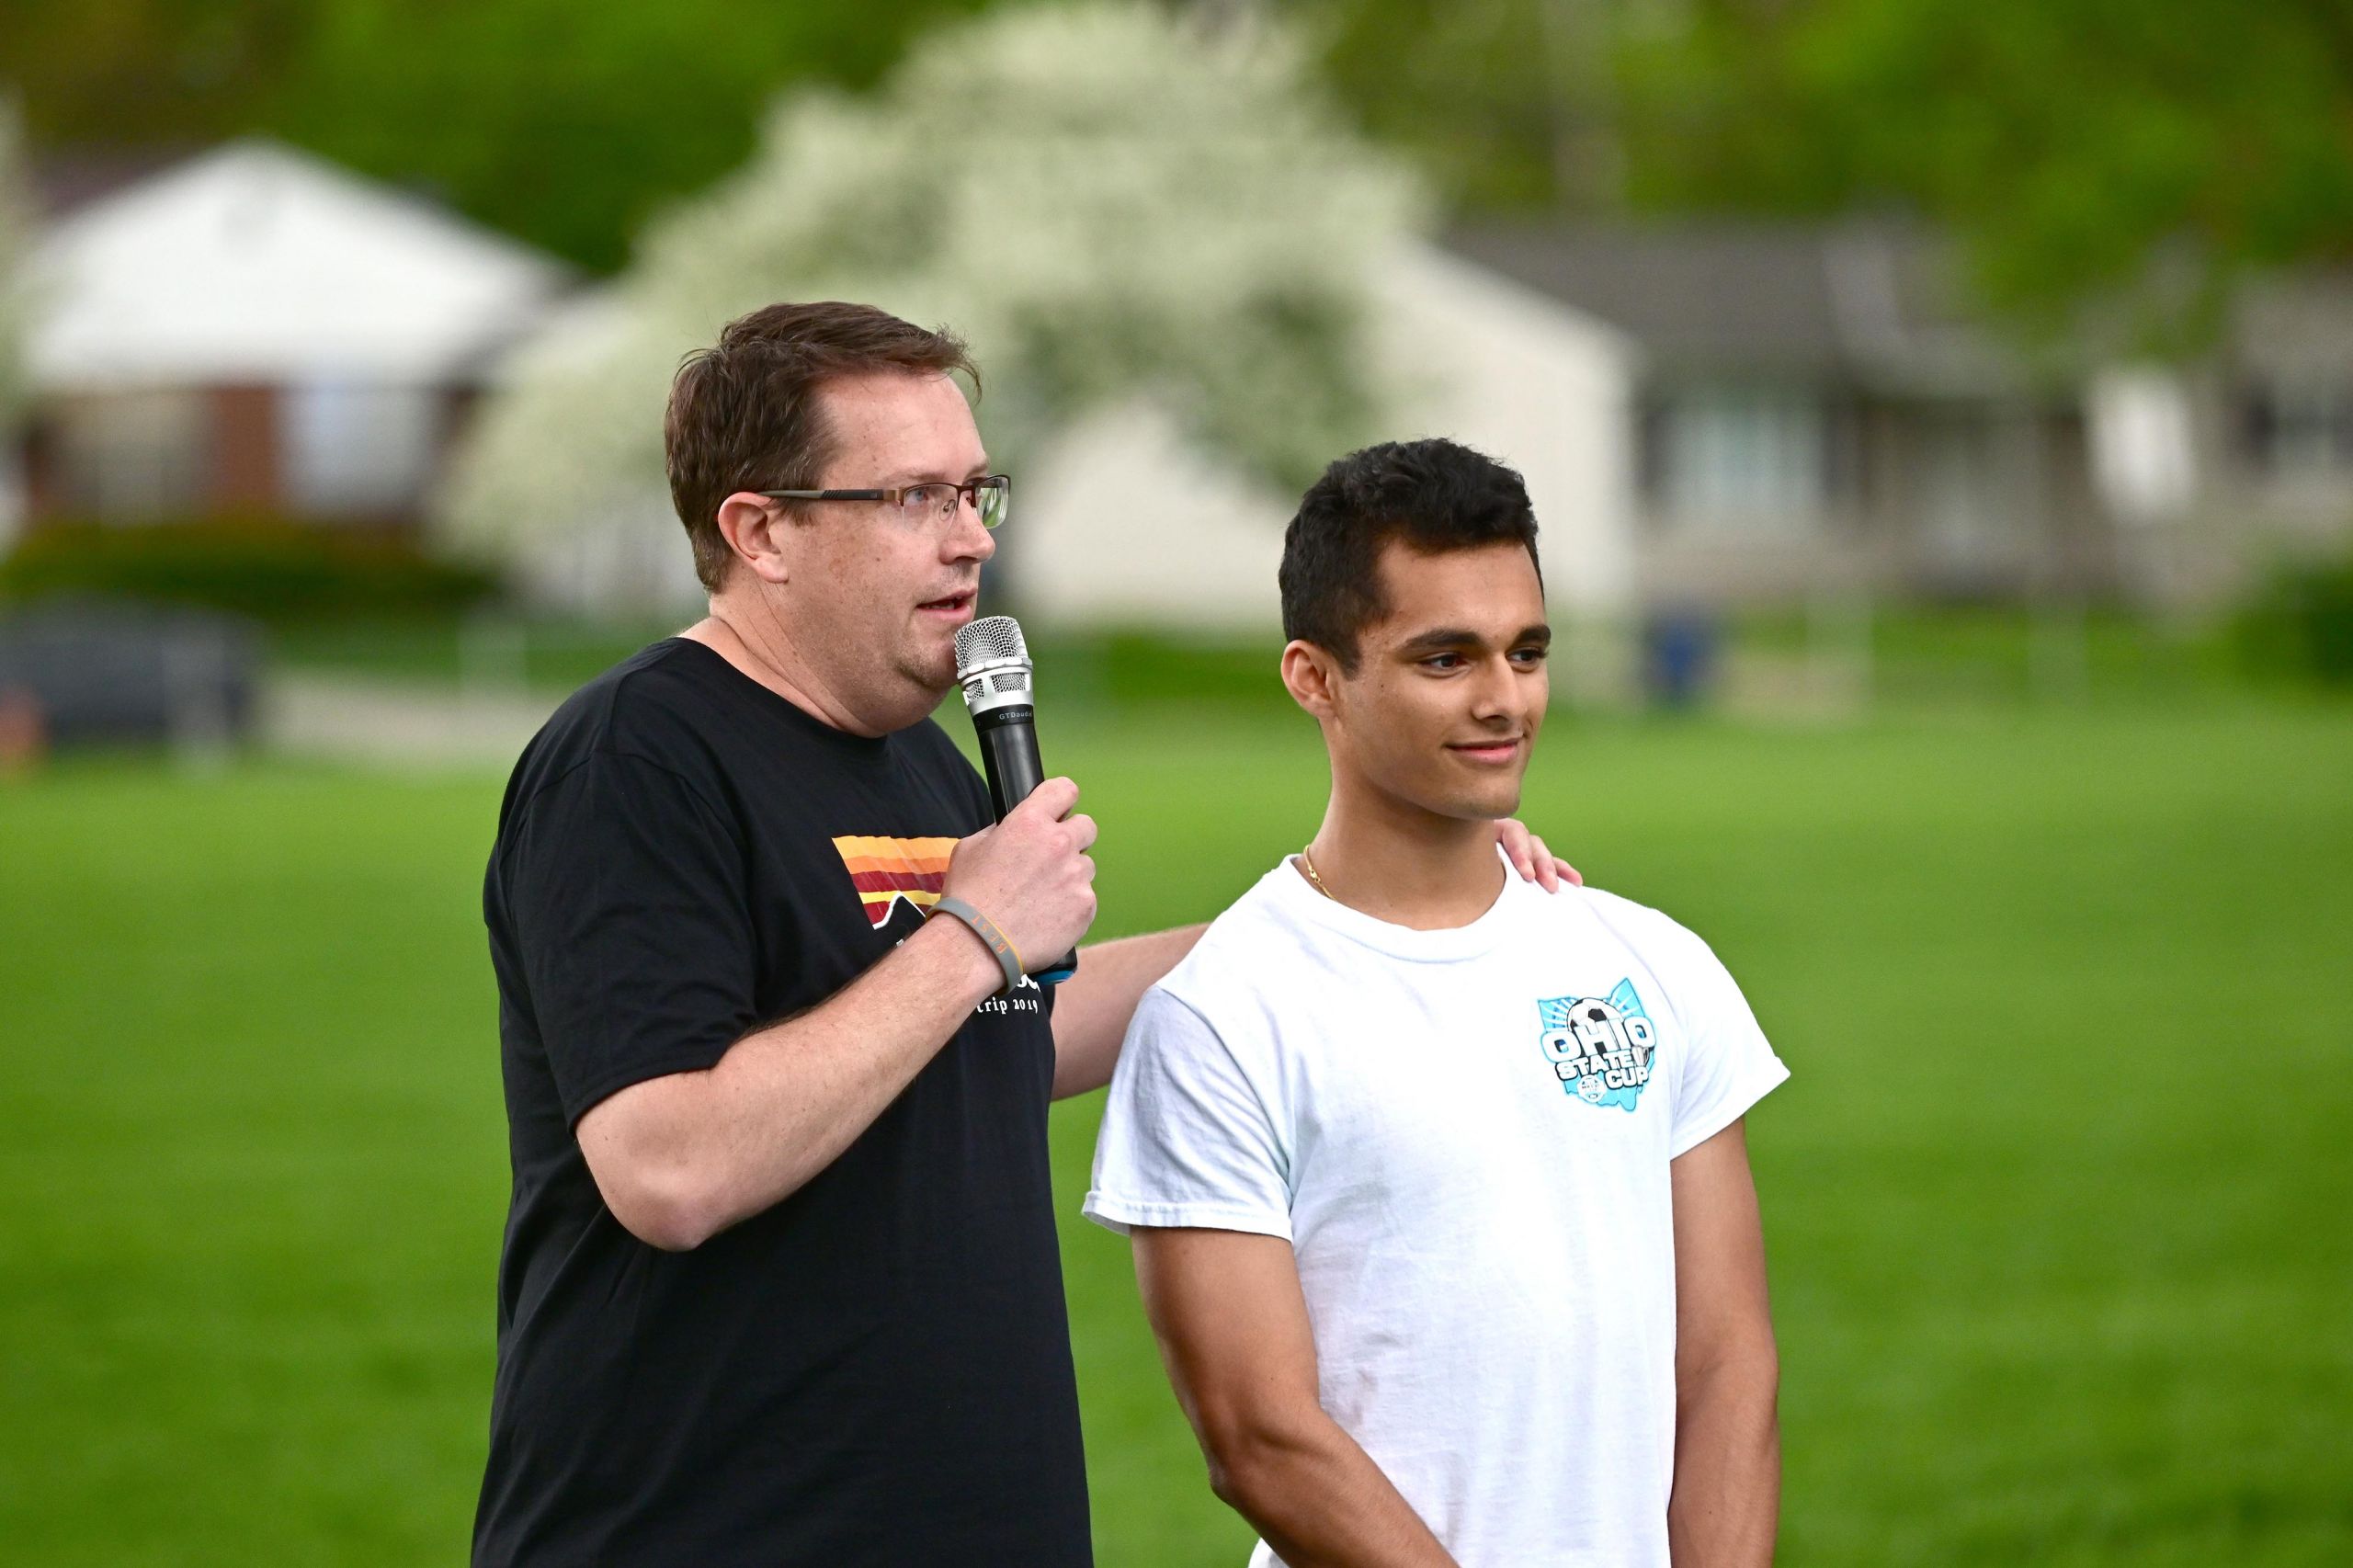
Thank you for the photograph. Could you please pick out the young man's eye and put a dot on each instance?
(1442, 662)
(1530, 655)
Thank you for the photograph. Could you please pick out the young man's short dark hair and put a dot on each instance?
(744, 414)
(1436, 495)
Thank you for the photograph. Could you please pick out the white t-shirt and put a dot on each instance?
(1464, 1134)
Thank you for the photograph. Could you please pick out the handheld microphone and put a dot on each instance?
(993, 663)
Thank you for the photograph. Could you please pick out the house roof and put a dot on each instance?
(255, 263)
(1872, 304)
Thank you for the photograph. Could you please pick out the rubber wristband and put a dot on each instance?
(985, 929)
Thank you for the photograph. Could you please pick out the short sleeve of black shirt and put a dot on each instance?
(631, 922)
(875, 1371)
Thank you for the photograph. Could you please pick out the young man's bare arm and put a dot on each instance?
(1726, 1502)
(1093, 1007)
(1233, 1331)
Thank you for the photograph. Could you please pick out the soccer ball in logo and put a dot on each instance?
(1589, 1029)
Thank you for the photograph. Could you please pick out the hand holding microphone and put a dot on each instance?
(1031, 873)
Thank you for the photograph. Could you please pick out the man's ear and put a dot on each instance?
(1312, 676)
(760, 534)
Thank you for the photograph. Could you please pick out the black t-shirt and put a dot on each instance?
(877, 1369)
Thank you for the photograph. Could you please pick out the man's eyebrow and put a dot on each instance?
(906, 478)
(1437, 640)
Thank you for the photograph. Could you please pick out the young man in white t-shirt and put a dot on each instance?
(1435, 1180)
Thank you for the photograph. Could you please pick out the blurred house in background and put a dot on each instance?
(1819, 409)
(1811, 410)
(2279, 402)
(256, 333)
(1719, 414)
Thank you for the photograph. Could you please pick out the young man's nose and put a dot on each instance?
(1496, 694)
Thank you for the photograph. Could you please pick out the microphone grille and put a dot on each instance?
(991, 640)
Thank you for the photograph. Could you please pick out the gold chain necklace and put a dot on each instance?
(1307, 864)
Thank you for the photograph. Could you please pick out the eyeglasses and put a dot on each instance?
(991, 496)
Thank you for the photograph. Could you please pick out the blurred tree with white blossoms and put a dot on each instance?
(1108, 201)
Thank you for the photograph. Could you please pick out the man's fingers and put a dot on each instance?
(1055, 796)
(1548, 875)
(1083, 832)
(1527, 853)
(1567, 872)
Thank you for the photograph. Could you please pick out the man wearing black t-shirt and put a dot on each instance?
(779, 1282)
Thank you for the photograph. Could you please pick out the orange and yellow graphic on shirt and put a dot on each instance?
(888, 869)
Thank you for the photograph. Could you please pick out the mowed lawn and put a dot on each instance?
(2060, 1199)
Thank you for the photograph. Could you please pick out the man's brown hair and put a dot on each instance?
(744, 413)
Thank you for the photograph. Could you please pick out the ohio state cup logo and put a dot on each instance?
(1601, 1048)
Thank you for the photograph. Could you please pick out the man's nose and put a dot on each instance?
(1496, 694)
(967, 539)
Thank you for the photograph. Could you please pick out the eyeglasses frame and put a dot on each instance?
(970, 490)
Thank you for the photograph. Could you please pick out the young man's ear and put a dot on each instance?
(759, 534)
(1312, 676)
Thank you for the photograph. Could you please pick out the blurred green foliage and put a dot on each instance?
(278, 570)
(2073, 142)
(550, 654)
(2090, 149)
(2069, 140)
(566, 123)
(1939, 656)
(1492, 93)
(2301, 623)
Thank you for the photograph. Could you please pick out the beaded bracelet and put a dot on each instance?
(985, 928)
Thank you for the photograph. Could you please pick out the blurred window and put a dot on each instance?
(131, 455)
(2303, 429)
(1747, 458)
(356, 450)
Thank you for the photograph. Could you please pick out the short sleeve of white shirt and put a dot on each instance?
(1189, 1138)
(1731, 1065)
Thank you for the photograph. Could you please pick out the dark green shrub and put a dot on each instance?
(2302, 622)
(278, 571)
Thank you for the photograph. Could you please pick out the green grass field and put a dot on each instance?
(2060, 1199)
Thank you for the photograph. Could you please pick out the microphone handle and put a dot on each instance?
(1008, 738)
